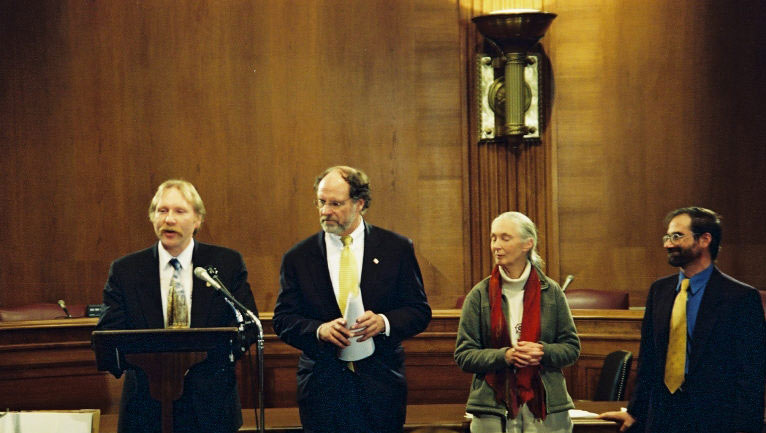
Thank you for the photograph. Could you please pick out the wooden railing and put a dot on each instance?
(49, 364)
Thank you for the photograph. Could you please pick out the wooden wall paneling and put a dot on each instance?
(737, 155)
(472, 198)
(469, 170)
(637, 119)
(439, 101)
(552, 245)
(248, 100)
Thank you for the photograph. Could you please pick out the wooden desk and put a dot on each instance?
(591, 425)
(50, 365)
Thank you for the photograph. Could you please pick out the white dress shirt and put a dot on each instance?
(334, 247)
(166, 274)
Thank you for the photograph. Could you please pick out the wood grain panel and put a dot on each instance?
(102, 101)
(656, 107)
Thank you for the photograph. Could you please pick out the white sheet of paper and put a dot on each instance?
(8, 422)
(47, 422)
(577, 413)
(356, 350)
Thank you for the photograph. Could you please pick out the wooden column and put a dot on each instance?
(503, 176)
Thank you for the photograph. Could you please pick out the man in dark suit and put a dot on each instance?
(715, 381)
(145, 290)
(368, 394)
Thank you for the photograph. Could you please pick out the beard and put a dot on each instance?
(680, 257)
(333, 227)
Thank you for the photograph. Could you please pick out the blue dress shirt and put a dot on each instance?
(697, 286)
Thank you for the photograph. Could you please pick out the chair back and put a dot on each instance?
(587, 299)
(614, 376)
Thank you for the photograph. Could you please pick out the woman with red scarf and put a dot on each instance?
(516, 333)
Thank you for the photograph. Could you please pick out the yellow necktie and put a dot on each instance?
(177, 311)
(675, 362)
(347, 276)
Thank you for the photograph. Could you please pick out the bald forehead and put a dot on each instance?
(334, 183)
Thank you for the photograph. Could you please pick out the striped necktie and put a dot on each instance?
(675, 362)
(178, 313)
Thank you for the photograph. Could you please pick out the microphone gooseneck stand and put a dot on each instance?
(253, 319)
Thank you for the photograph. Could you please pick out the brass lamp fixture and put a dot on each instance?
(515, 96)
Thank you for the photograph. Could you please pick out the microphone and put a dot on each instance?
(240, 310)
(568, 280)
(62, 304)
(202, 274)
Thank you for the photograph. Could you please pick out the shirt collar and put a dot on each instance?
(185, 258)
(696, 282)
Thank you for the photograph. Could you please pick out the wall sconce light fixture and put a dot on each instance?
(513, 95)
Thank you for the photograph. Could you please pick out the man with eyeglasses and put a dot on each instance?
(350, 262)
(702, 364)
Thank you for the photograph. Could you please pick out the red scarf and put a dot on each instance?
(513, 390)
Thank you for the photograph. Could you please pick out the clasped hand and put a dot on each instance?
(366, 326)
(524, 354)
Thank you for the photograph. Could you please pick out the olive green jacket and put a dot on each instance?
(473, 352)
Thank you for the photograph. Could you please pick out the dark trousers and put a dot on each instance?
(680, 413)
(370, 400)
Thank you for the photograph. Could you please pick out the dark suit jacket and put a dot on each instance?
(391, 284)
(133, 300)
(724, 388)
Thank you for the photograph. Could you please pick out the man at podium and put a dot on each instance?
(154, 288)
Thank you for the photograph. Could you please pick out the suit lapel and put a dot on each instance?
(710, 306)
(663, 307)
(149, 290)
(202, 296)
(321, 276)
(369, 272)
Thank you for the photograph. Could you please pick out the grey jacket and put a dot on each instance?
(558, 335)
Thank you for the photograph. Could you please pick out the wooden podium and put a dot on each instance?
(165, 355)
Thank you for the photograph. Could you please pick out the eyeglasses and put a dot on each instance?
(333, 205)
(675, 237)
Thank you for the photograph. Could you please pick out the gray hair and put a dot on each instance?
(527, 230)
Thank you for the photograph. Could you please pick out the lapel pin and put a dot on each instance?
(375, 260)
